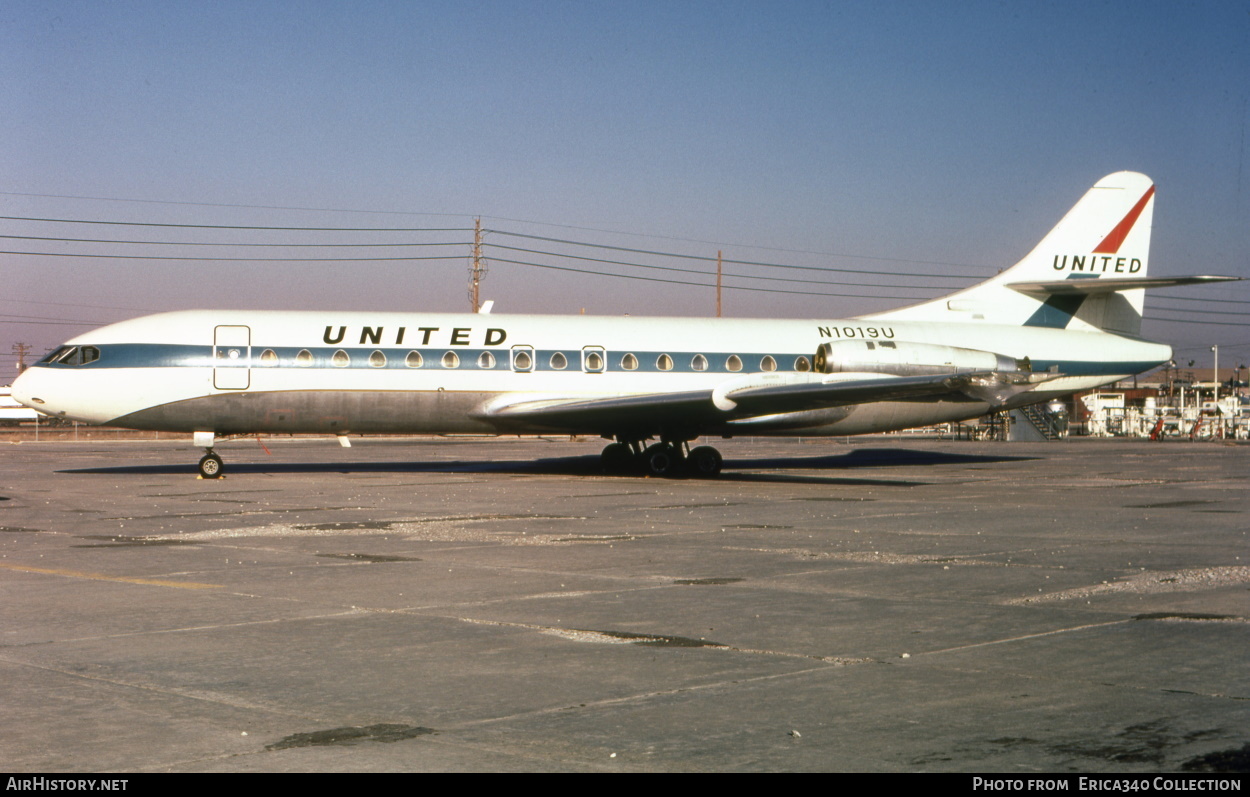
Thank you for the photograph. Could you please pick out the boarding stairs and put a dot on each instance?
(1033, 422)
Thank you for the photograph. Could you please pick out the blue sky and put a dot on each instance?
(921, 137)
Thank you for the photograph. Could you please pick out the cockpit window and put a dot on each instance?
(54, 356)
(72, 355)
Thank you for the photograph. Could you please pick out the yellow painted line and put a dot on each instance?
(153, 582)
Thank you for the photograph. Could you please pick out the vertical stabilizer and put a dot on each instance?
(1106, 236)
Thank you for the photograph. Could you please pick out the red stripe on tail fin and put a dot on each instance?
(1111, 244)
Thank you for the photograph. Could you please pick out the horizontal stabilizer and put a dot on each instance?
(1085, 287)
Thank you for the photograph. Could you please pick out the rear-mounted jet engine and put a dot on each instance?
(900, 358)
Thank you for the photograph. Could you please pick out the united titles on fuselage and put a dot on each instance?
(456, 336)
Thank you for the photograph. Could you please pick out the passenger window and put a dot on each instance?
(522, 359)
(768, 363)
(486, 360)
(699, 363)
(377, 359)
(268, 357)
(734, 363)
(304, 358)
(664, 362)
(802, 364)
(592, 360)
(340, 359)
(414, 360)
(559, 362)
(629, 362)
(451, 360)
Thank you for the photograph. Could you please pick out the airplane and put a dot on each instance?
(1066, 318)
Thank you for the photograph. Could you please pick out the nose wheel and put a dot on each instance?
(210, 466)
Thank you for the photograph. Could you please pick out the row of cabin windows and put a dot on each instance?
(523, 361)
(700, 363)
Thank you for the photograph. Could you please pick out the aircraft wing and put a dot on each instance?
(747, 397)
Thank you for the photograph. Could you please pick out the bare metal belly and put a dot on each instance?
(317, 411)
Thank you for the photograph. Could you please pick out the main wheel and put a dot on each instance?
(704, 461)
(617, 458)
(661, 459)
(210, 466)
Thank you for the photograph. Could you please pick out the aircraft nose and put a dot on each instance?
(26, 390)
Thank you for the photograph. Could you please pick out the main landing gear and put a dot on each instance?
(667, 458)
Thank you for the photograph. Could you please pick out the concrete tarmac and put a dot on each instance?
(877, 604)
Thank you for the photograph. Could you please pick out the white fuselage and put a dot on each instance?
(234, 372)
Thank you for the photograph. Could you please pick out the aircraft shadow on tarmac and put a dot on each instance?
(774, 468)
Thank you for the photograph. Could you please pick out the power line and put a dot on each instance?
(679, 270)
(1203, 312)
(1216, 301)
(231, 205)
(462, 215)
(543, 253)
(707, 259)
(452, 229)
(222, 243)
(704, 284)
(1202, 323)
(239, 227)
(241, 259)
(67, 304)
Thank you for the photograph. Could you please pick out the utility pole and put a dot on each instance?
(718, 276)
(21, 350)
(477, 269)
(1216, 392)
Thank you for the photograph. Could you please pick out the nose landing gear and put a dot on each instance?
(210, 463)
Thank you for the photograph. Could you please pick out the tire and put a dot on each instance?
(704, 461)
(210, 466)
(617, 458)
(661, 459)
